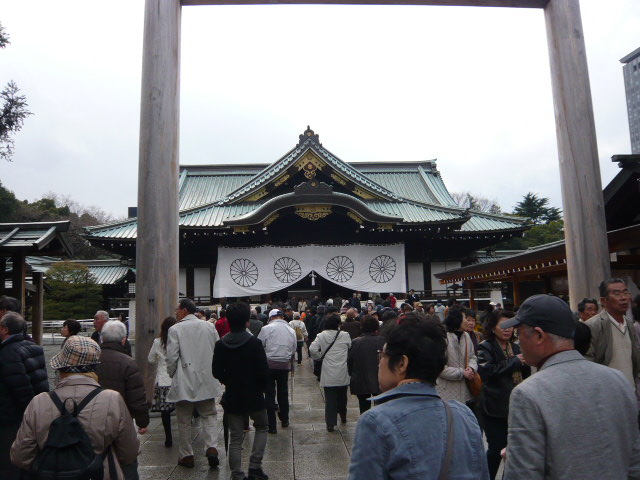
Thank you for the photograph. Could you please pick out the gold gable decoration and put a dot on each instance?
(271, 219)
(364, 194)
(313, 212)
(355, 218)
(257, 196)
(281, 180)
(339, 179)
(309, 164)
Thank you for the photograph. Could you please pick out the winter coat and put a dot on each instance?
(117, 371)
(105, 419)
(158, 356)
(189, 358)
(362, 364)
(451, 384)
(334, 365)
(239, 362)
(22, 376)
(496, 371)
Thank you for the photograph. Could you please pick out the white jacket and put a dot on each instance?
(158, 356)
(279, 340)
(189, 361)
(334, 364)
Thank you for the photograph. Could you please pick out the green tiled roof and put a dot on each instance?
(309, 143)
(108, 274)
(414, 191)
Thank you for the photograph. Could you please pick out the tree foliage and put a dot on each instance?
(72, 293)
(52, 207)
(537, 209)
(4, 37)
(476, 203)
(13, 110)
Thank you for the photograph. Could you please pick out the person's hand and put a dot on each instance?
(521, 358)
(142, 430)
(468, 373)
(503, 453)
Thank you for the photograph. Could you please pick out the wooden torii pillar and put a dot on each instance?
(157, 244)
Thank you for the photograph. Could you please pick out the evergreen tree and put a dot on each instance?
(72, 292)
(537, 209)
(13, 110)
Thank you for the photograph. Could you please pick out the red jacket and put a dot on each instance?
(222, 326)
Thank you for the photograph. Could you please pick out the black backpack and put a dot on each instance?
(67, 453)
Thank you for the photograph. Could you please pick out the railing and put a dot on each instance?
(51, 329)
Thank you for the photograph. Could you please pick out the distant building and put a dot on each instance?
(631, 71)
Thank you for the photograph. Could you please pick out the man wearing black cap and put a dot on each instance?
(574, 419)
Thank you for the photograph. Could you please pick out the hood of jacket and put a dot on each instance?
(236, 339)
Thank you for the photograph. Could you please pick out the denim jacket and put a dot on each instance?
(405, 437)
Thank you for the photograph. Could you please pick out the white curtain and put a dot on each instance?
(258, 270)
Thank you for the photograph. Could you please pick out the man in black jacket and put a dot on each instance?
(23, 375)
(240, 363)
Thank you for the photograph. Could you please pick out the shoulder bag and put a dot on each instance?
(475, 384)
(317, 364)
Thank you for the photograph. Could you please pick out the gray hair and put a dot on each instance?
(560, 342)
(113, 331)
(103, 314)
(14, 322)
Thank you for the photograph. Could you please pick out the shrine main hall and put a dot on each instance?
(312, 222)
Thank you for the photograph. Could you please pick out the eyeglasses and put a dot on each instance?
(381, 353)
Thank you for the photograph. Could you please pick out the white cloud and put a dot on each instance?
(468, 86)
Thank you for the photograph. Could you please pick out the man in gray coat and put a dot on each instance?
(613, 337)
(190, 345)
(574, 419)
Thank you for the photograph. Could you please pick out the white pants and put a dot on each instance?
(184, 414)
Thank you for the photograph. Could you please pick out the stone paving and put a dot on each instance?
(303, 451)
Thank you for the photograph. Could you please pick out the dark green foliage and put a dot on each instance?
(4, 38)
(13, 110)
(72, 292)
(537, 209)
(53, 208)
(536, 235)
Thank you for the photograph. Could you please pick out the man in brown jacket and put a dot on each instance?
(117, 371)
(105, 419)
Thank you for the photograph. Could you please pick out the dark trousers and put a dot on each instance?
(8, 471)
(364, 403)
(299, 351)
(335, 399)
(496, 431)
(277, 387)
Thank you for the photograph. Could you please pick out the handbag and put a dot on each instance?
(317, 364)
(474, 385)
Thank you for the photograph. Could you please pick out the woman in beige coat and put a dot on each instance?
(106, 419)
(461, 360)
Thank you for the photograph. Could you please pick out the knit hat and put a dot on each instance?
(78, 355)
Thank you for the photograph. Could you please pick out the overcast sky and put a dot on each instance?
(469, 87)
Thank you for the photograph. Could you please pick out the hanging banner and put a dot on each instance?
(258, 270)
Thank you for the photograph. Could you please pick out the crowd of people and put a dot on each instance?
(431, 381)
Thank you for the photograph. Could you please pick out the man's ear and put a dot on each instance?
(402, 365)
